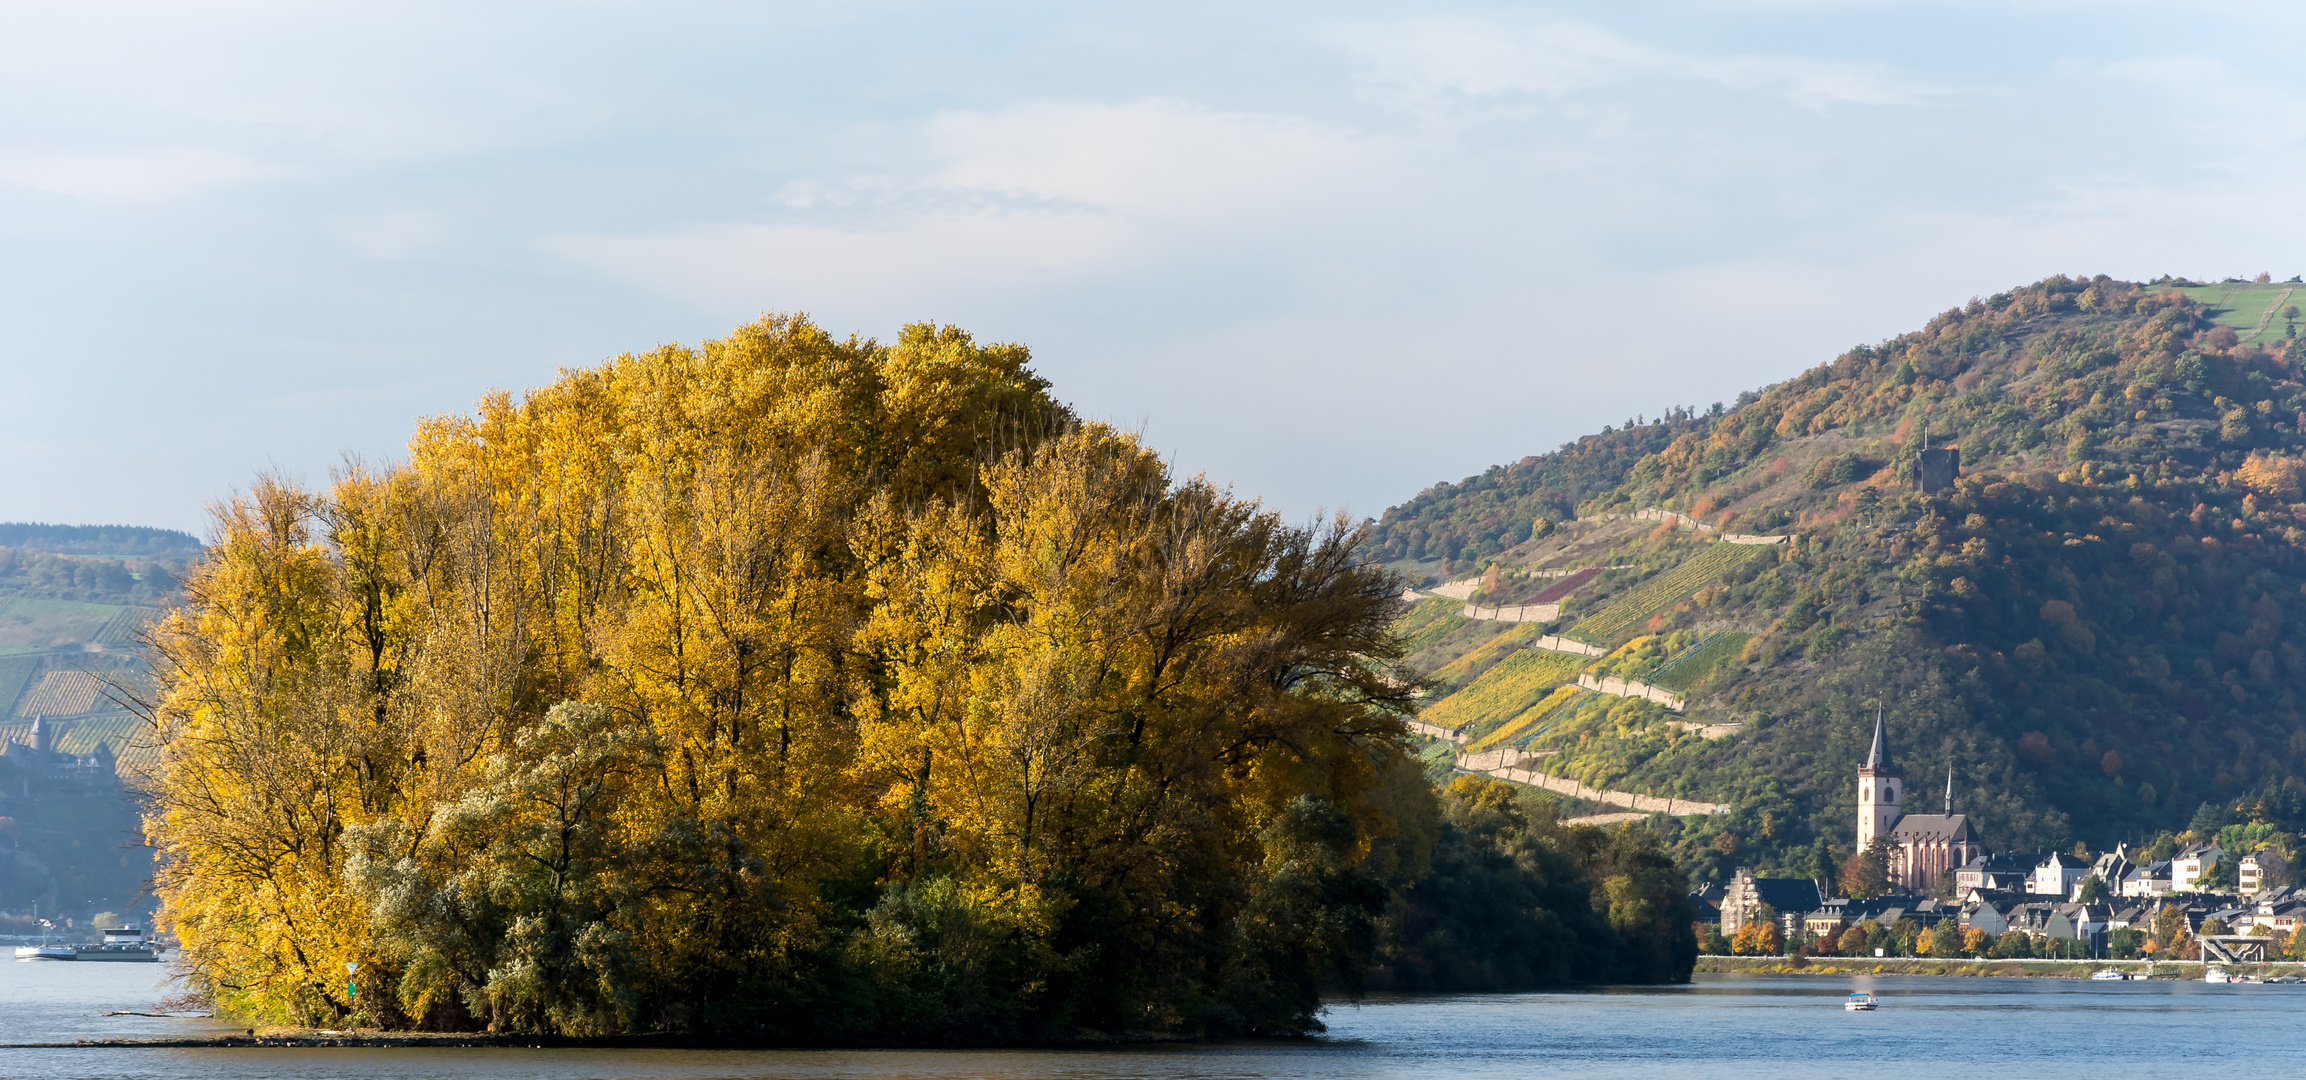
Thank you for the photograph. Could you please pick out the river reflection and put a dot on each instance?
(1722, 1026)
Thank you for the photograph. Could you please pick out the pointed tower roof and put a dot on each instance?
(1949, 787)
(1880, 757)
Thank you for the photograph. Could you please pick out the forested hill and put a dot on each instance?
(114, 541)
(2101, 628)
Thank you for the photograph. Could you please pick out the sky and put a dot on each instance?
(1327, 254)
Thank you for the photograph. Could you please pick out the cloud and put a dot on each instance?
(1463, 56)
(926, 268)
(1812, 83)
(1430, 60)
(134, 176)
(988, 204)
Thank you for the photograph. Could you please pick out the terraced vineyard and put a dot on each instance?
(1474, 663)
(121, 628)
(1426, 622)
(119, 731)
(1633, 608)
(1692, 666)
(1565, 586)
(61, 693)
(1529, 722)
(1505, 690)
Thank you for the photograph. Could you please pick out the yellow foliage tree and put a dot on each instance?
(784, 687)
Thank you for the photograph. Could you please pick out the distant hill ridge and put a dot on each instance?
(2100, 628)
(115, 540)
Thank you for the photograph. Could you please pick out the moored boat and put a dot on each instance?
(2215, 974)
(2109, 975)
(46, 952)
(125, 944)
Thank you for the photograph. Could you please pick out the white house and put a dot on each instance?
(2191, 864)
(2252, 874)
(2057, 875)
(2152, 879)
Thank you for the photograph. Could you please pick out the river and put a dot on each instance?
(1736, 1026)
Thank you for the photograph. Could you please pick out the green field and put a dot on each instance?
(2243, 306)
(17, 672)
(37, 625)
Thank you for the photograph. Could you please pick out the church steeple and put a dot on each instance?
(1878, 806)
(1949, 789)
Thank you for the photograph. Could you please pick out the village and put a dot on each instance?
(1942, 894)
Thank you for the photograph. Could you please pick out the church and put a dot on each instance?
(34, 766)
(1928, 847)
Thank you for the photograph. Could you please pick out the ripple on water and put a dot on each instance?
(1733, 1026)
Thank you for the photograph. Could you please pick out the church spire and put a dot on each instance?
(1880, 758)
(1949, 789)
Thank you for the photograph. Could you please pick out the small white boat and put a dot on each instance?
(1860, 1002)
(46, 952)
(2215, 974)
(2109, 975)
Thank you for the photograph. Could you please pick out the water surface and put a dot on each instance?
(1735, 1026)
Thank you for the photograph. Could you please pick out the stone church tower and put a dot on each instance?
(1878, 805)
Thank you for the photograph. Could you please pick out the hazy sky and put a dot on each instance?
(1327, 253)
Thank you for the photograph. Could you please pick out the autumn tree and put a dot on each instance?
(786, 687)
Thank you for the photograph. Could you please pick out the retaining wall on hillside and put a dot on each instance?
(1458, 590)
(1514, 612)
(1655, 513)
(1434, 731)
(1611, 684)
(1520, 774)
(1561, 644)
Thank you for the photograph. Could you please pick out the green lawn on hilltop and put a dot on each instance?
(2243, 305)
(28, 625)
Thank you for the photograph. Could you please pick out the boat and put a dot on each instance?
(2245, 979)
(1860, 1002)
(2109, 975)
(125, 944)
(2215, 974)
(2285, 979)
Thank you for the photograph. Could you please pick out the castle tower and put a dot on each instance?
(1878, 784)
(38, 737)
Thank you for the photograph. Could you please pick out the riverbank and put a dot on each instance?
(319, 1038)
(2006, 969)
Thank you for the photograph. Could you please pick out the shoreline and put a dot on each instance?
(325, 1038)
(2163, 970)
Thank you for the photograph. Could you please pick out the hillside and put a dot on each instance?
(72, 602)
(2098, 628)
